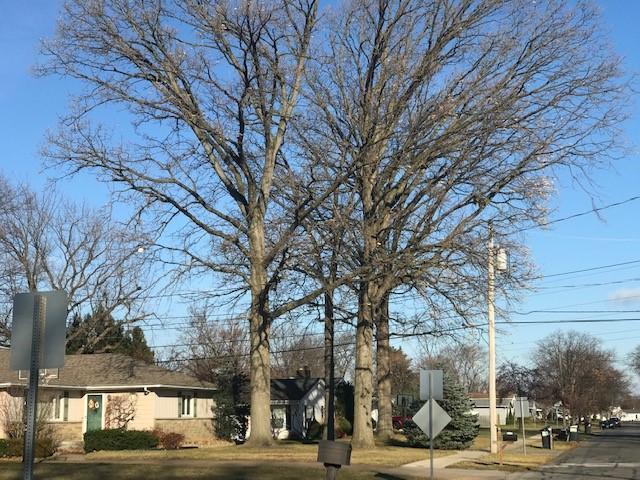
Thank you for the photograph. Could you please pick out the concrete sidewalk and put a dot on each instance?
(440, 471)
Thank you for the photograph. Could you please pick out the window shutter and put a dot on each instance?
(179, 404)
(195, 404)
(66, 407)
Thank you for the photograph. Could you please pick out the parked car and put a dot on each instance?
(606, 424)
(398, 421)
(615, 421)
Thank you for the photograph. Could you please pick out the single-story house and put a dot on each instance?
(630, 416)
(295, 404)
(110, 390)
(504, 406)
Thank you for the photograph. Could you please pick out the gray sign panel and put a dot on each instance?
(436, 384)
(440, 419)
(53, 335)
(521, 411)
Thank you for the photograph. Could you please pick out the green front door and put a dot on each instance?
(94, 412)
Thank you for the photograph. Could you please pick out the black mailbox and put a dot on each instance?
(334, 453)
(509, 437)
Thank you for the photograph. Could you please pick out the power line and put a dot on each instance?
(580, 214)
(590, 269)
(217, 357)
(522, 322)
(530, 312)
(406, 335)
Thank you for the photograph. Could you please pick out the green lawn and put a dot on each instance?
(91, 471)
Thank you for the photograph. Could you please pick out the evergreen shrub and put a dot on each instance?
(119, 439)
(460, 432)
(344, 426)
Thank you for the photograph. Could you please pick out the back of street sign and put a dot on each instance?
(53, 336)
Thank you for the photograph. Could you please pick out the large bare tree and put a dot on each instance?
(574, 368)
(49, 243)
(464, 360)
(634, 360)
(210, 89)
(455, 113)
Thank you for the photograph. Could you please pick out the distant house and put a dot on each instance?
(480, 401)
(295, 404)
(630, 415)
(94, 392)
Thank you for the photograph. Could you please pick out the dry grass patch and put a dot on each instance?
(515, 460)
(294, 452)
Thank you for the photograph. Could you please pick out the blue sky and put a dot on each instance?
(30, 106)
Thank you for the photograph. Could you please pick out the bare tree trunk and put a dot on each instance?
(362, 426)
(260, 326)
(383, 373)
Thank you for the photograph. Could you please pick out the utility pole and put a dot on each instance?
(497, 260)
(493, 417)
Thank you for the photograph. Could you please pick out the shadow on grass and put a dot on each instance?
(99, 471)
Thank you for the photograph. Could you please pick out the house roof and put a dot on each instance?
(292, 388)
(106, 370)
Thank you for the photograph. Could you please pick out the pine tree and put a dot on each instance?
(463, 428)
(135, 345)
(99, 332)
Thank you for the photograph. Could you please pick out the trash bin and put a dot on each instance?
(546, 438)
(573, 433)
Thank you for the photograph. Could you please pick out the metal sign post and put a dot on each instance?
(39, 311)
(37, 341)
(431, 389)
(524, 438)
(431, 424)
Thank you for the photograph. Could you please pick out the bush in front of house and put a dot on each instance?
(172, 441)
(343, 427)
(169, 440)
(4, 448)
(12, 447)
(118, 439)
(314, 431)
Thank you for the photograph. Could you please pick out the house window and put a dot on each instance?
(186, 402)
(57, 406)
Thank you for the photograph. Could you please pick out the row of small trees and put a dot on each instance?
(296, 155)
(572, 368)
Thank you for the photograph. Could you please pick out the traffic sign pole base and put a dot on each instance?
(332, 471)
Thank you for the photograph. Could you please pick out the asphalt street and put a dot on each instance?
(612, 454)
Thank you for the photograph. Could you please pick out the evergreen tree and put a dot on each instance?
(462, 429)
(99, 332)
(231, 405)
(135, 345)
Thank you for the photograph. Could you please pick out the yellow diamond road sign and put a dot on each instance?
(440, 418)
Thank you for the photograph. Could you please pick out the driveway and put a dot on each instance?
(612, 454)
